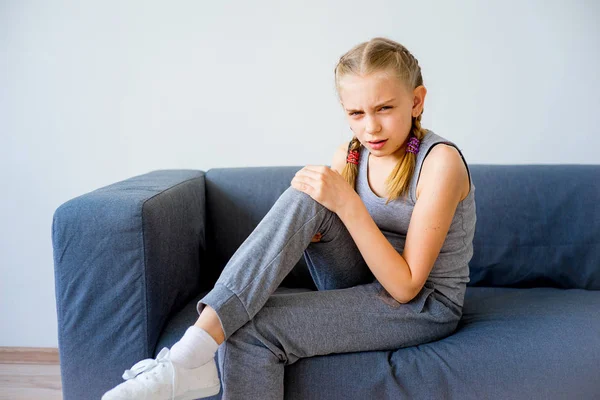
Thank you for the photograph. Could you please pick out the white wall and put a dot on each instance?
(95, 92)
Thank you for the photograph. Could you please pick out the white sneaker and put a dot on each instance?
(161, 379)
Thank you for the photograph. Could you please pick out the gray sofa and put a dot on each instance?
(133, 258)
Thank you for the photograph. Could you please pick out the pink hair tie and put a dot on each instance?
(413, 145)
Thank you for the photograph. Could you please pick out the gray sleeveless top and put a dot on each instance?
(450, 272)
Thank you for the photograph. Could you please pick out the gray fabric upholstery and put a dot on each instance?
(133, 258)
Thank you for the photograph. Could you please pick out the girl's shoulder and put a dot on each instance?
(339, 157)
(442, 154)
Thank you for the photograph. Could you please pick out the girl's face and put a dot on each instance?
(379, 107)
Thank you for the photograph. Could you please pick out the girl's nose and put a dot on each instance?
(372, 126)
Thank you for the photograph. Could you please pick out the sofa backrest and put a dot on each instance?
(537, 225)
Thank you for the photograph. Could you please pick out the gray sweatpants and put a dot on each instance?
(351, 311)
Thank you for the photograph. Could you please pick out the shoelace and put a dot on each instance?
(150, 363)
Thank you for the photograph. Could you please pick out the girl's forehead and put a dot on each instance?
(371, 88)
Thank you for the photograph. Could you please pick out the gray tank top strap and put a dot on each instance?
(429, 141)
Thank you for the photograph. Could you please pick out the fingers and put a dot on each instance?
(309, 173)
(317, 168)
(302, 185)
(314, 170)
(304, 181)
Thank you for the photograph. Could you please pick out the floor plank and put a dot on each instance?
(30, 381)
(29, 355)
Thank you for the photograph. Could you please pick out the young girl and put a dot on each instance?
(386, 233)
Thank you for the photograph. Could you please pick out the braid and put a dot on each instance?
(413, 65)
(408, 56)
(355, 143)
(350, 171)
(416, 130)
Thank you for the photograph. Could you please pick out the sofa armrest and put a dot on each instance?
(126, 257)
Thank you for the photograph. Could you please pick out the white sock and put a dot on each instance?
(194, 349)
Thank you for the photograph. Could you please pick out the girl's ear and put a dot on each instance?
(418, 100)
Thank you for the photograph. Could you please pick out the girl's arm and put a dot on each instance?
(442, 182)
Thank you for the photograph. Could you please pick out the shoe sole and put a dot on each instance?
(196, 394)
(200, 393)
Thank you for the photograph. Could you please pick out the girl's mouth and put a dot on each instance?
(378, 144)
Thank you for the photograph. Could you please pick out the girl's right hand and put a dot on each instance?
(316, 238)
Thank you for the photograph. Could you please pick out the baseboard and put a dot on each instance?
(29, 355)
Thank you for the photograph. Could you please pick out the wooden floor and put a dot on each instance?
(29, 373)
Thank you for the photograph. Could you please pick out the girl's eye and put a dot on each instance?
(360, 112)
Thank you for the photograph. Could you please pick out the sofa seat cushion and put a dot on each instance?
(511, 343)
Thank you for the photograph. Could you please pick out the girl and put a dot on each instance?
(386, 233)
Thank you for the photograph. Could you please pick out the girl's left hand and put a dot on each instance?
(325, 186)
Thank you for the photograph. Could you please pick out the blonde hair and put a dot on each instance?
(382, 54)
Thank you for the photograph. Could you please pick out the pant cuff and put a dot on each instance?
(227, 305)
